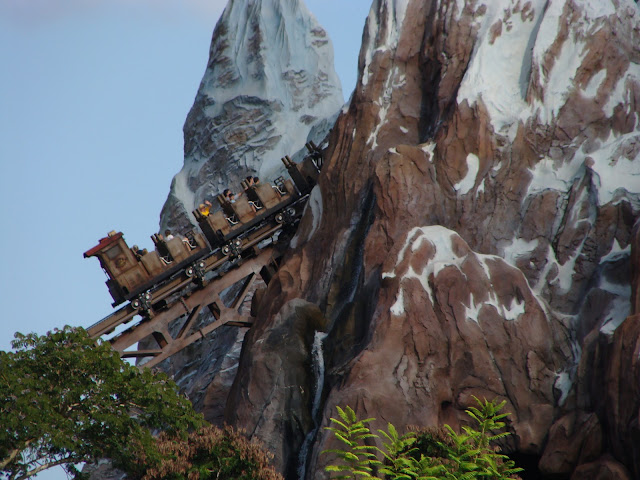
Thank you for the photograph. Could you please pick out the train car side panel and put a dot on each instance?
(243, 210)
(267, 195)
(152, 263)
(132, 278)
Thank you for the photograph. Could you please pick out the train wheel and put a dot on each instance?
(226, 250)
(279, 218)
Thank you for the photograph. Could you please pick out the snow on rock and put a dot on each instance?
(493, 76)
(550, 40)
(478, 197)
(446, 249)
(381, 31)
(269, 87)
(469, 180)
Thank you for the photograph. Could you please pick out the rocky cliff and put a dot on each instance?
(470, 235)
(269, 87)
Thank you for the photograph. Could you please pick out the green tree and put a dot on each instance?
(65, 400)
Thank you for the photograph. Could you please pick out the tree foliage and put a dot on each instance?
(65, 400)
(432, 454)
(358, 459)
(209, 453)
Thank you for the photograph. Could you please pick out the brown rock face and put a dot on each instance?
(574, 439)
(269, 87)
(605, 468)
(470, 235)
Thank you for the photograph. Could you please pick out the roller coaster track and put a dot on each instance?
(186, 297)
(203, 284)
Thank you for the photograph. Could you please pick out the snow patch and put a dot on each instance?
(398, 306)
(510, 312)
(563, 383)
(394, 80)
(548, 174)
(396, 11)
(429, 148)
(616, 253)
(594, 9)
(592, 87)
(560, 79)
(501, 84)
(518, 248)
(620, 307)
(480, 188)
(622, 93)
(616, 163)
(469, 180)
(441, 239)
(492, 76)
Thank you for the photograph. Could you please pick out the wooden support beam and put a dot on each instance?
(208, 296)
(190, 319)
(243, 293)
(141, 353)
(109, 323)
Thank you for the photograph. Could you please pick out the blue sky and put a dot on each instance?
(93, 97)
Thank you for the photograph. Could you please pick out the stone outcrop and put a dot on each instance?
(470, 234)
(269, 87)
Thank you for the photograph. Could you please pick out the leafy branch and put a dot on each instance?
(424, 455)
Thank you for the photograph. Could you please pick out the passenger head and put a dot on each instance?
(256, 180)
(226, 193)
(249, 180)
(167, 232)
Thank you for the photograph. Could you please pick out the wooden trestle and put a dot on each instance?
(187, 303)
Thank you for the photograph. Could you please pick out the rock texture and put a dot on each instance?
(269, 86)
(470, 235)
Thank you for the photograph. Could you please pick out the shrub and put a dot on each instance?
(430, 454)
(209, 453)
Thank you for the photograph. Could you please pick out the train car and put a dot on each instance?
(134, 272)
(305, 174)
(259, 206)
(256, 215)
